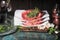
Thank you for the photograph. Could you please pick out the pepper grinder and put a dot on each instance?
(5, 9)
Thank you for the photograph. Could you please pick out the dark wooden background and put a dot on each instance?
(28, 4)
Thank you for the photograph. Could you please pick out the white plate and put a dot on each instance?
(18, 17)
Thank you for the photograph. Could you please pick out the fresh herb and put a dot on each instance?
(19, 27)
(51, 30)
(1, 28)
(4, 28)
(33, 13)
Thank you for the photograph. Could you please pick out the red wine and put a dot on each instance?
(55, 15)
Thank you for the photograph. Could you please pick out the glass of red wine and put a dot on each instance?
(55, 16)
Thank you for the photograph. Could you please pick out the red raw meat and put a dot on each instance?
(31, 21)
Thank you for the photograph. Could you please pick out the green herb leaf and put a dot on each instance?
(51, 30)
(33, 13)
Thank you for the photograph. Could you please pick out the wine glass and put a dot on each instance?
(55, 18)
